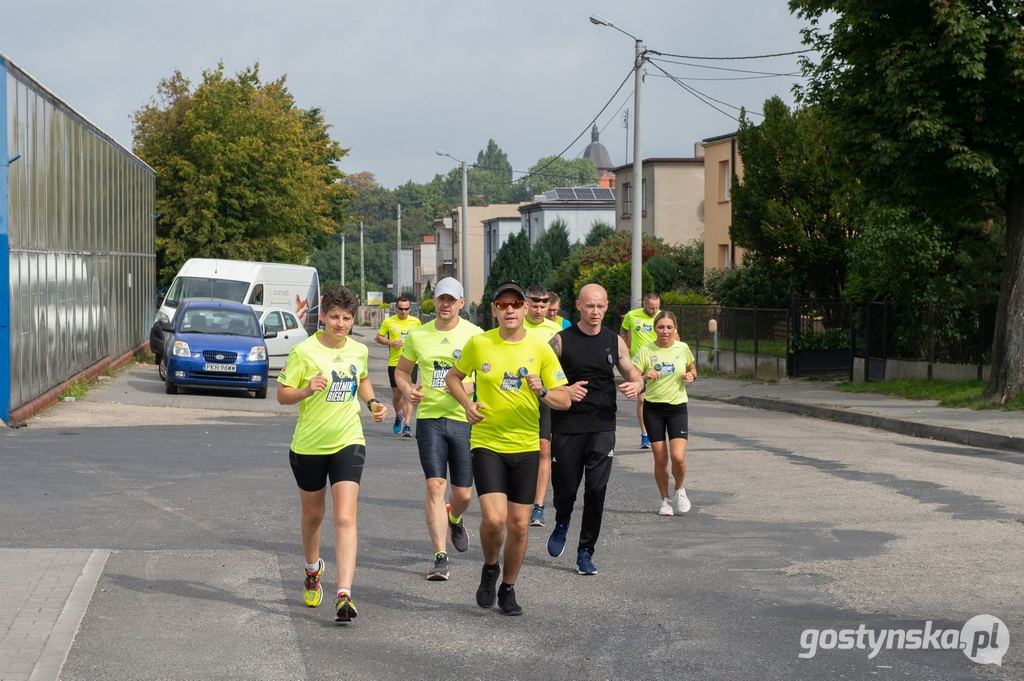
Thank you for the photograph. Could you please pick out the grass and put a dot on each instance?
(946, 393)
(765, 348)
(77, 389)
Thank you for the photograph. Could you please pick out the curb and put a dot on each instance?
(960, 436)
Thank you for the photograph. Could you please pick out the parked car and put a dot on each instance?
(289, 332)
(216, 344)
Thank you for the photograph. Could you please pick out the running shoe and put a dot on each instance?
(645, 442)
(682, 501)
(584, 564)
(488, 581)
(312, 592)
(406, 430)
(397, 427)
(457, 532)
(556, 542)
(666, 507)
(439, 573)
(537, 516)
(346, 608)
(507, 600)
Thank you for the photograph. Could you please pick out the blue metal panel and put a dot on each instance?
(5, 257)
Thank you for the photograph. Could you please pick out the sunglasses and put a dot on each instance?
(505, 304)
(539, 300)
(403, 309)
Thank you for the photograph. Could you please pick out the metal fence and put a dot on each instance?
(745, 341)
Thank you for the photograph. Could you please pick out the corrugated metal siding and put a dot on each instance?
(82, 267)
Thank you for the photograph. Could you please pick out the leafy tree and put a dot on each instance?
(554, 242)
(616, 278)
(690, 261)
(664, 272)
(242, 172)
(926, 96)
(555, 171)
(599, 231)
(793, 205)
(761, 283)
(491, 177)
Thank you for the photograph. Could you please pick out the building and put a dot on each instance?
(597, 153)
(578, 207)
(496, 233)
(402, 272)
(424, 264)
(672, 198)
(77, 261)
(721, 162)
(447, 231)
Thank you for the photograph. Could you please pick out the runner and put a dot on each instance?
(392, 333)
(583, 438)
(515, 372)
(638, 330)
(537, 322)
(323, 375)
(554, 302)
(668, 365)
(442, 433)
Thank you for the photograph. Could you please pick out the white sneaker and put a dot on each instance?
(666, 507)
(682, 502)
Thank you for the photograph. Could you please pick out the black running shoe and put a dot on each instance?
(507, 600)
(346, 608)
(457, 532)
(485, 593)
(439, 572)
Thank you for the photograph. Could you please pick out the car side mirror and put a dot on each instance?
(167, 327)
(270, 334)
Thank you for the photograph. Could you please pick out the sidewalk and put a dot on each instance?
(990, 428)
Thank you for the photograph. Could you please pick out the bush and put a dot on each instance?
(758, 283)
(677, 298)
(664, 271)
(832, 339)
(427, 306)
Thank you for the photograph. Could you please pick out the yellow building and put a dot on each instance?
(721, 162)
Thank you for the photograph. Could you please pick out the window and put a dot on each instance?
(627, 199)
(273, 322)
(724, 260)
(724, 181)
(256, 298)
(290, 321)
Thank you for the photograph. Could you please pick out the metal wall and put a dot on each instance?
(82, 265)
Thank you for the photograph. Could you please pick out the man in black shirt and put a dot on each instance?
(583, 438)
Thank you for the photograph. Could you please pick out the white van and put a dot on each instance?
(259, 284)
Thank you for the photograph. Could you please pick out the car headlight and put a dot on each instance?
(258, 353)
(181, 349)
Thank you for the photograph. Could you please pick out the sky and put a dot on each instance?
(399, 79)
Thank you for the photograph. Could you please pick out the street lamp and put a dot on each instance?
(463, 272)
(636, 223)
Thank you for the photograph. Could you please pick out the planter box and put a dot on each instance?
(811, 362)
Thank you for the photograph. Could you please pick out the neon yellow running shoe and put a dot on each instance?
(346, 608)
(312, 592)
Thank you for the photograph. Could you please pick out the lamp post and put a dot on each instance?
(636, 222)
(463, 272)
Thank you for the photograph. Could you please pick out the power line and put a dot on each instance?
(753, 56)
(724, 78)
(723, 68)
(695, 93)
(681, 82)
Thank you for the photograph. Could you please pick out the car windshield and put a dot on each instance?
(221, 322)
(205, 287)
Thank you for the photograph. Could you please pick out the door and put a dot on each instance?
(277, 348)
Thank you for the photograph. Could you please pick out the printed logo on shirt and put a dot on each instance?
(559, 374)
(510, 382)
(486, 368)
(343, 388)
(444, 341)
(457, 354)
(611, 360)
(648, 327)
(440, 371)
(666, 368)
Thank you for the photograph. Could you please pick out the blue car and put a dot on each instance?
(216, 344)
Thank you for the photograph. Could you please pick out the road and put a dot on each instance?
(797, 524)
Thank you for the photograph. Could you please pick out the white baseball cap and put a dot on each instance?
(449, 286)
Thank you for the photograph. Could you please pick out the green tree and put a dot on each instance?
(491, 177)
(514, 261)
(553, 243)
(242, 172)
(555, 171)
(664, 271)
(599, 231)
(690, 261)
(793, 204)
(927, 97)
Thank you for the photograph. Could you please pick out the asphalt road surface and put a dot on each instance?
(798, 525)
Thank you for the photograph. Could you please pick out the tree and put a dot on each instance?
(793, 205)
(491, 177)
(242, 172)
(926, 97)
(554, 242)
(690, 261)
(599, 231)
(555, 171)
(514, 261)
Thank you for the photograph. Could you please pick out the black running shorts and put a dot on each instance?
(312, 471)
(514, 475)
(663, 420)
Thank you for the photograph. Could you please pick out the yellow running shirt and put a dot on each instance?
(641, 329)
(328, 419)
(511, 412)
(671, 363)
(435, 352)
(546, 329)
(394, 328)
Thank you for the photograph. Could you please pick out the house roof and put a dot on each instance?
(691, 160)
(719, 138)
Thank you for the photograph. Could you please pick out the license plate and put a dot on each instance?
(231, 368)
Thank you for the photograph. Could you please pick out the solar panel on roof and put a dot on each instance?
(584, 194)
(566, 194)
(604, 194)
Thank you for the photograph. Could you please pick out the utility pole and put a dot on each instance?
(464, 234)
(362, 267)
(342, 258)
(636, 225)
(398, 256)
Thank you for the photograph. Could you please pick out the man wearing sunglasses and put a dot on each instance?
(392, 333)
(516, 371)
(537, 322)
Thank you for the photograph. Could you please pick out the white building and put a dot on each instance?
(578, 207)
(496, 233)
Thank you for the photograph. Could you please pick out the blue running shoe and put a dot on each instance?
(645, 442)
(406, 430)
(556, 542)
(397, 427)
(537, 516)
(584, 565)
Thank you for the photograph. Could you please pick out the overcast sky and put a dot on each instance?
(399, 79)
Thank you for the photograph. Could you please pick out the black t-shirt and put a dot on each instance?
(591, 359)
